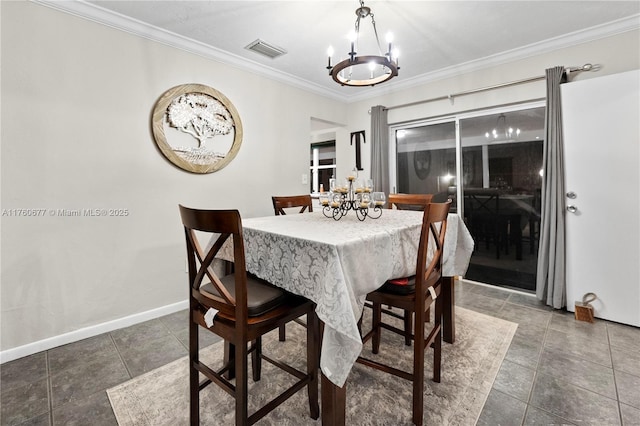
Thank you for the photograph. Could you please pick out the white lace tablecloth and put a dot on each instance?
(336, 263)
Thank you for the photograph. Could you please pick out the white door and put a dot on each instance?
(601, 119)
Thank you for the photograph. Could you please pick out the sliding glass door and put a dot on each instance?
(489, 163)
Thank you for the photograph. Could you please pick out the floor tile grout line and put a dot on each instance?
(126, 367)
(49, 387)
(535, 376)
(615, 382)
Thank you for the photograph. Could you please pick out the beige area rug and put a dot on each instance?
(469, 368)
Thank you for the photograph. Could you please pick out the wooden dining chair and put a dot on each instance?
(280, 204)
(239, 308)
(416, 295)
(408, 201)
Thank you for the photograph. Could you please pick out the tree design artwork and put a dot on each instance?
(203, 117)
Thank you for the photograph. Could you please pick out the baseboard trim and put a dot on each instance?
(509, 289)
(94, 330)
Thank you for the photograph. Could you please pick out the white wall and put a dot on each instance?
(76, 104)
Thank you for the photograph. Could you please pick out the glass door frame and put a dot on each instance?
(455, 118)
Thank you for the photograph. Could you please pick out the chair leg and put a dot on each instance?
(408, 330)
(437, 344)
(320, 336)
(418, 367)
(242, 387)
(282, 333)
(194, 386)
(229, 354)
(377, 318)
(256, 359)
(313, 362)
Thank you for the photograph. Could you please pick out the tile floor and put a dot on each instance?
(557, 370)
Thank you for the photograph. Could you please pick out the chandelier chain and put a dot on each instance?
(373, 23)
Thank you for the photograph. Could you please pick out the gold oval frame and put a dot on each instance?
(159, 115)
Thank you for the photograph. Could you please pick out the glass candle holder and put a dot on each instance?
(353, 175)
(378, 199)
(324, 199)
(364, 200)
(344, 188)
(333, 184)
(368, 185)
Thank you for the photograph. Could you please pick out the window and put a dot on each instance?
(323, 165)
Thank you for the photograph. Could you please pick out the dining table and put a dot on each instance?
(336, 263)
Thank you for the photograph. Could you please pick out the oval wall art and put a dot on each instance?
(197, 128)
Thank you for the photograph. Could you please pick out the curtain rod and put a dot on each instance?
(585, 67)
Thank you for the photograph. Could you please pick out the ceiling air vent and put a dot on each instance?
(265, 49)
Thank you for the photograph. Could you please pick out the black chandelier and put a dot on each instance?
(365, 70)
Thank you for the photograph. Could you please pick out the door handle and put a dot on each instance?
(572, 209)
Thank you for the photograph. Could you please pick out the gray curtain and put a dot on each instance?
(380, 149)
(550, 282)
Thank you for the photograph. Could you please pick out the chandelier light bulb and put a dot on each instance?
(352, 37)
(329, 54)
(394, 57)
(389, 41)
(503, 130)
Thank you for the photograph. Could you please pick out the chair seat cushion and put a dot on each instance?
(399, 286)
(261, 296)
(402, 286)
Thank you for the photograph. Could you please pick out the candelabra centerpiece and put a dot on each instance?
(352, 194)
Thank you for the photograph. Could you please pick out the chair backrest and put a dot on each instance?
(434, 228)
(225, 224)
(409, 201)
(280, 203)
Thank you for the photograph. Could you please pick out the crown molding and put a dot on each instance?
(610, 29)
(111, 19)
(100, 15)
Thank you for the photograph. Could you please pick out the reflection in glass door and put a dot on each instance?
(426, 160)
(498, 185)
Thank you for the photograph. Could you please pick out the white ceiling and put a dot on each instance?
(435, 38)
